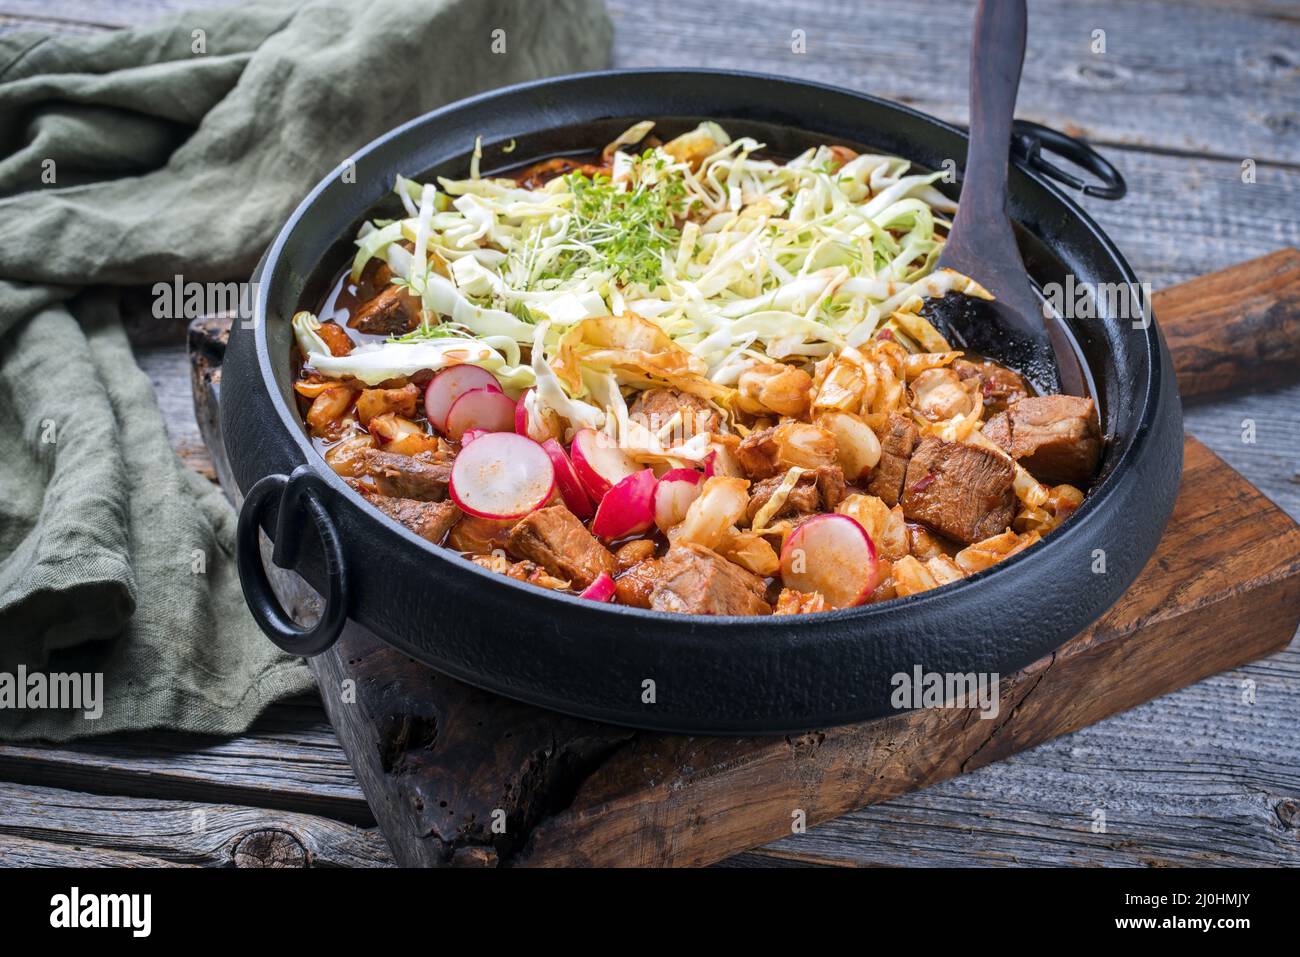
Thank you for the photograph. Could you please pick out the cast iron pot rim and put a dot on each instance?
(1038, 553)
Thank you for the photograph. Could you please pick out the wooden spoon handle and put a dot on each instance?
(1235, 329)
(997, 53)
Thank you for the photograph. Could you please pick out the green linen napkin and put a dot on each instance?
(126, 159)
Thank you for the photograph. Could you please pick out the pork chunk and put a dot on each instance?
(393, 312)
(429, 520)
(423, 476)
(962, 491)
(821, 489)
(655, 408)
(558, 541)
(896, 448)
(1053, 436)
(693, 580)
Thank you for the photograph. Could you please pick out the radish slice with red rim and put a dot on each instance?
(602, 589)
(599, 462)
(628, 508)
(487, 410)
(833, 555)
(448, 386)
(501, 475)
(676, 490)
(574, 495)
(473, 434)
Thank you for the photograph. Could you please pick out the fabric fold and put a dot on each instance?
(129, 159)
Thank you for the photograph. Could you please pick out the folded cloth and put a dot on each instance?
(127, 159)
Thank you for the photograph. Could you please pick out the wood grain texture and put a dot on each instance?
(1238, 65)
(289, 760)
(1234, 327)
(1197, 778)
(183, 832)
(21, 852)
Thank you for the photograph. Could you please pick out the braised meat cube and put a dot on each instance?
(693, 580)
(429, 520)
(821, 489)
(773, 451)
(1053, 436)
(962, 491)
(803, 498)
(831, 487)
(655, 409)
(393, 312)
(998, 431)
(423, 476)
(896, 448)
(558, 541)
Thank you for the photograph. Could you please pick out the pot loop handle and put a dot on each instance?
(301, 492)
(1029, 141)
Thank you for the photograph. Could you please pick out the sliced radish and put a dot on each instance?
(676, 490)
(501, 475)
(602, 589)
(483, 409)
(599, 462)
(575, 496)
(448, 386)
(834, 556)
(628, 508)
(472, 434)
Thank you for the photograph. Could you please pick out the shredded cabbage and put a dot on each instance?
(734, 257)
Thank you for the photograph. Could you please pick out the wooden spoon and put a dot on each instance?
(1014, 328)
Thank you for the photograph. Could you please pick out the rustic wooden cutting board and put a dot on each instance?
(441, 763)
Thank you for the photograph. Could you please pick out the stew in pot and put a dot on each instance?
(685, 376)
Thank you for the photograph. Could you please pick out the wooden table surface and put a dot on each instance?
(1184, 94)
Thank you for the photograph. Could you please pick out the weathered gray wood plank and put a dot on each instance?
(1230, 87)
(20, 852)
(1235, 73)
(289, 760)
(1196, 778)
(182, 832)
(1272, 460)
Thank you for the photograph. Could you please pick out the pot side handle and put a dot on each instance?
(301, 495)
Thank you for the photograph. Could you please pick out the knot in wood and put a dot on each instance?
(270, 847)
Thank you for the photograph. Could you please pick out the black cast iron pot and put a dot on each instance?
(652, 669)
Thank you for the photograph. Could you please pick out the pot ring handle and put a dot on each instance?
(303, 491)
(1030, 140)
